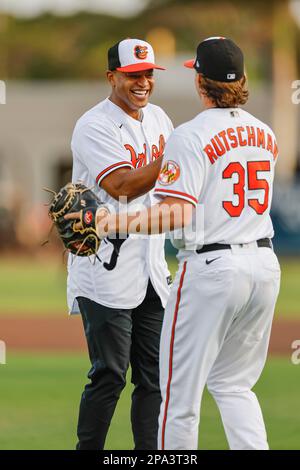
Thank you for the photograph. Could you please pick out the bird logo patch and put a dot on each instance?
(169, 173)
(141, 52)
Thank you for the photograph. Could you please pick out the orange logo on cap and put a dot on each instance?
(141, 52)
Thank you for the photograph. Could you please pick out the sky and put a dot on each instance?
(35, 7)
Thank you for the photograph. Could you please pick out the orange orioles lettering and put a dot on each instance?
(140, 159)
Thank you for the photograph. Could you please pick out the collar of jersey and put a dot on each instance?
(221, 109)
(121, 117)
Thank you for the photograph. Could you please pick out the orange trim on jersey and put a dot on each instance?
(177, 193)
(114, 166)
(171, 356)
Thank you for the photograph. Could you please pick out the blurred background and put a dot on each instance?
(52, 68)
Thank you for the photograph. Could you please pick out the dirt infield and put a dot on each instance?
(66, 334)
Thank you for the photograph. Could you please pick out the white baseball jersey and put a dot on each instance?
(218, 318)
(223, 160)
(105, 138)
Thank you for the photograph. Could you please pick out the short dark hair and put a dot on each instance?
(225, 94)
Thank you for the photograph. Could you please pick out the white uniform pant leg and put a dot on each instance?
(242, 420)
(243, 355)
(197, 317)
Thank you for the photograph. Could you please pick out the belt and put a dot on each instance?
(262, 243)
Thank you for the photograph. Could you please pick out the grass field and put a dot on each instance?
(39, 398)
(39, 394)
(31, 287)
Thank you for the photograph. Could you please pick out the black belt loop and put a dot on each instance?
(262, 243)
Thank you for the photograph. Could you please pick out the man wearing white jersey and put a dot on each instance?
(218, 318)
(117, 149)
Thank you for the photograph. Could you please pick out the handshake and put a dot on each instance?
(80, 218)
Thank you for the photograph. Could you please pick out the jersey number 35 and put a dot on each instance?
(254, 183)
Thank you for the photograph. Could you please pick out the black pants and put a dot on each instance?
(116, 338)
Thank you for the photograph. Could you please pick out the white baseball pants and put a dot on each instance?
(216, 331)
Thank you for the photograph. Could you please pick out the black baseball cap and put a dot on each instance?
(219, 59)
(132, 55)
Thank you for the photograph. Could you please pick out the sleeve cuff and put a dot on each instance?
(180, 195)
(112, 168)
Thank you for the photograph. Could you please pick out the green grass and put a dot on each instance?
(288, 303)
(39, 397)
(38, 288)
(32, 287)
